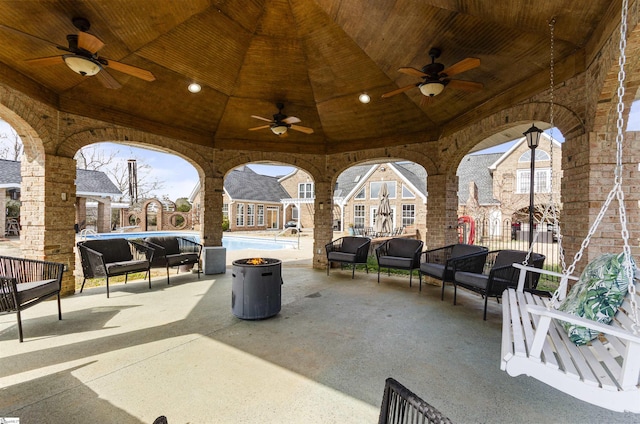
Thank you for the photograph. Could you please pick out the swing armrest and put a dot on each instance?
(603, 328)
(539, 271)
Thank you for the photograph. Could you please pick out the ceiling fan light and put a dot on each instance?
(431, 89)
(279, 129)
(82, 65)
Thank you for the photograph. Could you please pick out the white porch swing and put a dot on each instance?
(604, 371)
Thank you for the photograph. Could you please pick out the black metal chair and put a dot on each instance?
(173, 251)
(439, 263)
(400, 253)
(27, 282)
(401, 406)
(499, 274)
(348, 250)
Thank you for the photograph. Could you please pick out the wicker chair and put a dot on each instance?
(439, 263)
(400, 405)
(348, 250)
(27, 282)
(499, 274)
(400, 253)
(171, 251)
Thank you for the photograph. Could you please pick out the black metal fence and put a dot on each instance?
(498, 234)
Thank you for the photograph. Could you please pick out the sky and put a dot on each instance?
(179, 177)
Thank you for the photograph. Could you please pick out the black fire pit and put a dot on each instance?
(256, 288)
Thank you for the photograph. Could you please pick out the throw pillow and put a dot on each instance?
(596, 296)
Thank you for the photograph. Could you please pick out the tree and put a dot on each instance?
(115, 166)
(10, 142)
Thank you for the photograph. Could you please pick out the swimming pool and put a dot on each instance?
(230, 242)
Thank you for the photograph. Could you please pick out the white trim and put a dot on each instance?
(405, 180)
(362, 181)
(506, 154)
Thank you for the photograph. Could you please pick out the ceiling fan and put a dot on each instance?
(281, 123)
(82, 56)
(435, 76)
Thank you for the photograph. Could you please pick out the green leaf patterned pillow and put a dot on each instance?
(596, 296)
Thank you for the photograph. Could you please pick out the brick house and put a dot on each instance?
(95, 193)
(356, 195)
(299, 206)
(494, 188)
(250, 201)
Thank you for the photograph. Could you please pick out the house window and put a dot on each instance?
(540, 156)
(251, 210)
(294, 212)
(240, 215)
(305, 190)
(408, 215)
(225, 210)
(406, 193)
(375, 189)
(362, 194)
(260, 215)
(358, 216)
(542, 182)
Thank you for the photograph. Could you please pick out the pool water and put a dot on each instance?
(230, 242)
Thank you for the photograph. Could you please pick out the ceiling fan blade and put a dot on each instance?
(107, 80)
(413, 72)
(130, 70)
(302, 129)
(462, 66)
(261, 118)
(291, 120)
(398, 91)
(89, 42)
(465, 85)
(46, 61)
(18, 32)
(261, 127)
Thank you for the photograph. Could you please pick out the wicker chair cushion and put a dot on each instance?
(351, 244)
(465, 249)
(36, 289)
(341, 257)
(596, 296)
(170, 244)
(113, 250)
(395, 262)
(434, 270)
(403, 247)
(182, 258)
(117, 268)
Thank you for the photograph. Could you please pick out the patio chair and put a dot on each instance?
(499, 274)
(400, 253)
(439, 263)
(348, 250)
(400, 405)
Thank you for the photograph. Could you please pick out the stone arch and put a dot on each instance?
(197, 157)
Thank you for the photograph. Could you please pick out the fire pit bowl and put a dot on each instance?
(256, 288)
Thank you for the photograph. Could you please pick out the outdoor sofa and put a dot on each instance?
(104, 258)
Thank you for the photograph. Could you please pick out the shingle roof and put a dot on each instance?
(243, 183)
(96, 182)
(415, 173)
(476, 168)
(349, 178)
(87, 182)
(10, 173)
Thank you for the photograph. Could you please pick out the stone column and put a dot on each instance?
(48, 195)
(81, 212)
(103, 223)
(442, 210)
(211, 211)
(3, 210)
(323, 222)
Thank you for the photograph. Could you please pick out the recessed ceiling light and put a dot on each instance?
(364, 98)
(194, 88)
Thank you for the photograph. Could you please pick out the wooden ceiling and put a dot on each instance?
(315, 56)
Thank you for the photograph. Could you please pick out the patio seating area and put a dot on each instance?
(178, 351)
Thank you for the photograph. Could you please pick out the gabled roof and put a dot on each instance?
(476, 168)
(245, 184)
(88, 183)
(501, 158)
(415, 174)
(95, 183)
(350, 178)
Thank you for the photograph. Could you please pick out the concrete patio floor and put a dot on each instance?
(178, 351)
